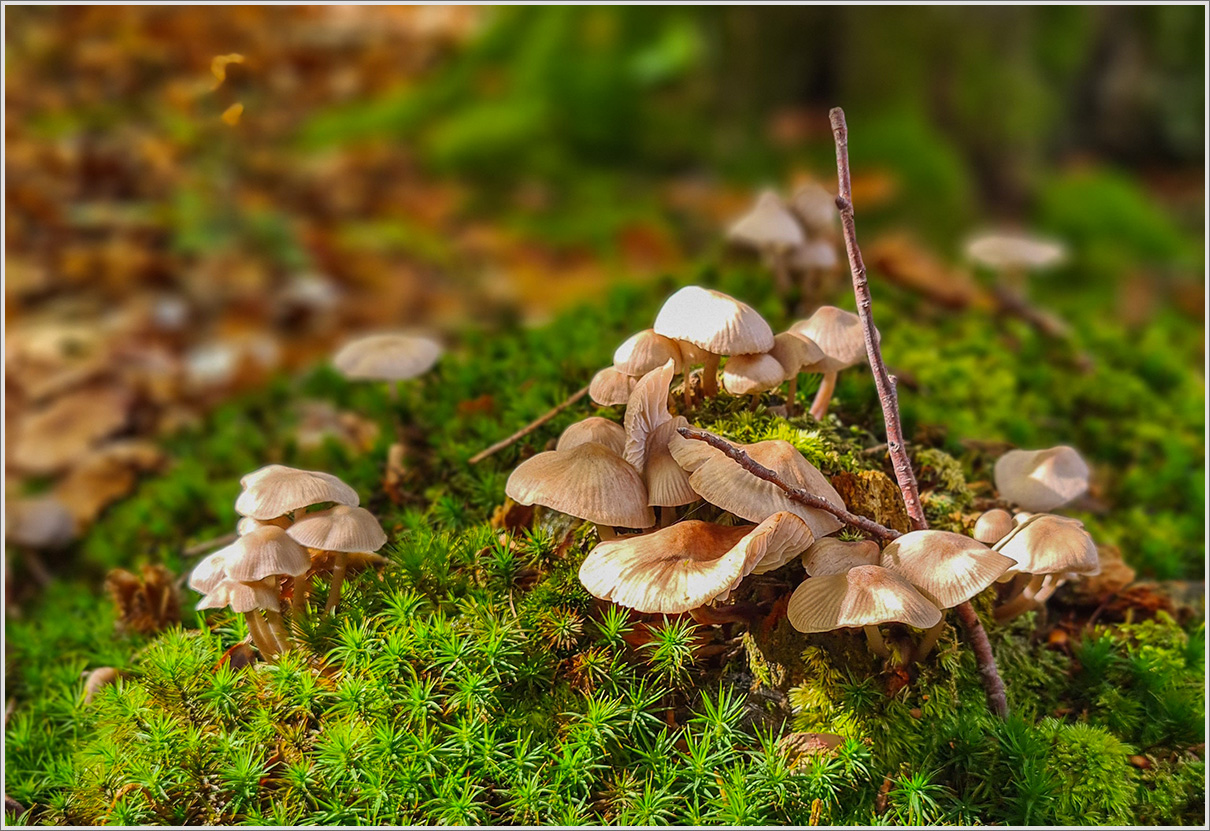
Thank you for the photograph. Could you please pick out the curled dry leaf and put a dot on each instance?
(145, 604)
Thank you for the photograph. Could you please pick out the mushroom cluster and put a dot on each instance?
(294, 524)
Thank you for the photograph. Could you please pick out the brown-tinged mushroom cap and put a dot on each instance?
(838, 334)
(947, 568)
(389, 357)
(1003, 251)
(263, 553)
(274, 490)
(992, 526)
(815, 207)
(722, 482)
(342, 528)
(207, 574)
(42, 522)
(795, 352)
(241, 597)
(685, 565)
(861, 596)
(590, 482)
(644, 351)
(594, 428)
(691, 354)
(1041, 480)
(51, 438)
(832, 556)
(748, 374)
(610, 387)
(649, 427)
(1049, 544)
(767, 226)
(713, 321)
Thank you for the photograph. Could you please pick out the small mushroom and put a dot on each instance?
(247, 599)
(341, 530)
(1014, 255)
(829, 555)
(648, 428)
(841, 338)
(715, 323)
(387, 357)
(1048, 547)
(208, 573)
(863, 596)
(594, 429)
(266, 553)
(752, 375)
(275, 490)
(816, 208)
(610, 387)
(644, 351)
(795, 353)
(772, 230)
(40, 522)
(1041, 480)
(992, 526)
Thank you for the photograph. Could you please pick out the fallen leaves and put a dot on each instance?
(146, 603)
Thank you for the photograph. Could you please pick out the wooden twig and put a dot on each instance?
(993, 685)
(529, 428)
(797, 494)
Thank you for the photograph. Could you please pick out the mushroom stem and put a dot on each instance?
(781, 274)
(710, 375)
(755, 401)
(277, 628)
(667, 515)
(265, 642)
(1019, 605)
(877, 644)
(929, 641)
(792, 394)
(338, 577)
(606, 533)
(302, 588)
(1050, 585)
(819, 407)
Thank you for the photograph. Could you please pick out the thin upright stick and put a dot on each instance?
(529, 428)
(993, 685)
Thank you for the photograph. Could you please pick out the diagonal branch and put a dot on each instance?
(797, 494)
(531, 427)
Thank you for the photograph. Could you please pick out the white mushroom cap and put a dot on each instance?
(42, 522)
(816, 208)
(1041, 480)
(722, 482)
(263, 553)
(832, 556)
(342, 528)
(649, 427)
(747, 374)
(1002, 251)
(390, 357)
(947, 568)
(207, 574)
(861, 596)
(644, 351)
(815, 254)
(795, 352)
(767, 225)
(1049, 544)
(992, 525)
(274, 490)
(589, 481)
(610, 387)
(713, 321)
(241, 597)
(838, 334)
(594, 428)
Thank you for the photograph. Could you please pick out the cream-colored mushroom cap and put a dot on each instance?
(390, 357)
(207, 574)
(263, 553)
(644, 351)
(42, 522)
(594, 429)
(691, 355)
(342, 528)
(274, 490)
(1008, 251)
(816, 207)
(247, 524)
(947, 568)
(992, 525)
(832, 556)
(861, 596)
(795, 352)
(815, 254)
(241, 597)
(767, 225)
(713, 321)
(1049, 544)
(649, 427)
(1041, 480)
(685, 565)
(722, 482)
(589, 481)
(838, 334)
(748, 374)
(610, 387)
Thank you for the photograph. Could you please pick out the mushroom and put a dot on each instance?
(341, 530)
(829, 555)
(275, 490)
(589, 481)
(752, 375)
(715, 323)
(247, 599)
(1041, 480)
(644, 351)
(208, 573)
(1048, 547)
(947, 568)
(839, 335)
(816, 208)
(795, 353)
(1013, 255)
(263, 554)
(863, 596)
(772, 230)
(992, 526)
(597, 429)
(648, 429)
(722, 482)
(247, 524)
(387, 357)
(610, 387)
(689, 564)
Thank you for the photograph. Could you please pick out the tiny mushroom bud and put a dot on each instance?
(387, 357)
(610, 387)
(1041, 480)
(839, 335)
(644, 351)
(992, 525)
(829, 555)
(594, 429)
(341, 530)
(275, 490)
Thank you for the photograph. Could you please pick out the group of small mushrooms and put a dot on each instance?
(295, 524)
(700, 327)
